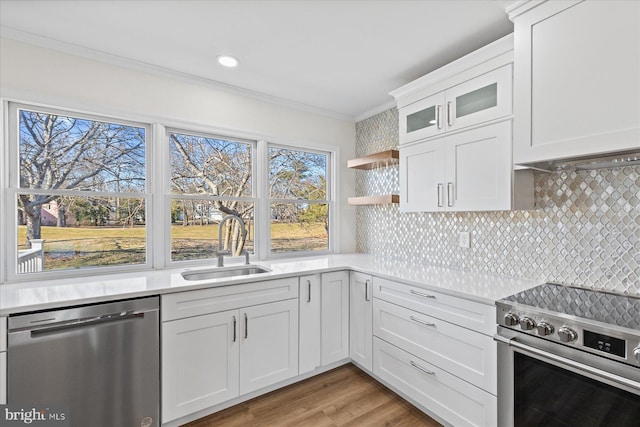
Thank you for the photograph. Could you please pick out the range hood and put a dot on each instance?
(603, 161)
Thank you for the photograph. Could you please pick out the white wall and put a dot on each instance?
(37, 75)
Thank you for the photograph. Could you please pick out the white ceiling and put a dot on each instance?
(334, 57)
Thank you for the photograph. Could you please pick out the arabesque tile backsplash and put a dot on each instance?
(585, 230)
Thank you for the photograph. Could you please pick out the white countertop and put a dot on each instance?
(47, 294)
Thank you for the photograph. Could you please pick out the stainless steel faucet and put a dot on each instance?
(221, 253)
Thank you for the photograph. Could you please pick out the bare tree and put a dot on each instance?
(58, 152)
(214, 167)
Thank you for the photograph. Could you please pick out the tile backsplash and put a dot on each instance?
(585, 230)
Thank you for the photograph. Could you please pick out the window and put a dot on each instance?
(89, 192)
(299, 202)
(211, 177)
(80, 195)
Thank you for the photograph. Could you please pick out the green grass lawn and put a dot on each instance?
(77, 247)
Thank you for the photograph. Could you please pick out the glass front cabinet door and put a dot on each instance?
(423, 118)
(481, 99)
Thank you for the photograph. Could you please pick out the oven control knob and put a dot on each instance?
(511, 319)
(567, 334)
(636, 353)
(527, 324)
(544, 329)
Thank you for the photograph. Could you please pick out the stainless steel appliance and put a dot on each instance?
(98, 363)
(568, 356)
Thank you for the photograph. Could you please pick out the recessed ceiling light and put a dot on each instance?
(228, 61)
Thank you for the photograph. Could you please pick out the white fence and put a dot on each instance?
(32, 260)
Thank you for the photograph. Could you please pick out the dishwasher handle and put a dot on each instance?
(109, 318)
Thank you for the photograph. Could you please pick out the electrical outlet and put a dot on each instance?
(464, 239)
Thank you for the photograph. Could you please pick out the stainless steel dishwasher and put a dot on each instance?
(99, 363)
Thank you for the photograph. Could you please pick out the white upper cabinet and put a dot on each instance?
(466, 171)
(456, 136)
(483, 98)
(473, 90)
(577, 79)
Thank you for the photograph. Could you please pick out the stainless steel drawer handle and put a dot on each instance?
(366, 290)
(421, 369)
(246, 326)
(420, 294)
(422, 322)
(235, 323)
(309, 288)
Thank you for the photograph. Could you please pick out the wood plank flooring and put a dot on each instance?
(344, 396)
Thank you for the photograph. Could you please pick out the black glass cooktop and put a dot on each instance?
(601, 307)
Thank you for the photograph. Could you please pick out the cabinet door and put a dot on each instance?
(360, 322)
(269, 344)
(422, 177)
(309, 306)
(335, 316)
(479, 169)
(486, 97)
(199, 363)
(577, 90)
(422, 119)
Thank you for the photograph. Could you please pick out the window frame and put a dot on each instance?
(168, 196)
(13, 189)
(327, 201)
(156, 196)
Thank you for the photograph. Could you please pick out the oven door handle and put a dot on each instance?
(589, 370)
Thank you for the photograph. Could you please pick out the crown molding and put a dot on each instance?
(377, 110)
(121, 61)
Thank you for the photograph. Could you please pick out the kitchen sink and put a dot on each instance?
(221, 272)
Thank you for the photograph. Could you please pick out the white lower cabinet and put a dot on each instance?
(310, 353)
(360, 319)
(462, 352)
(210, 358)
(200, 363)
(437, 350)
(445, 395)
(335, 316)
(222, 343)
(268, 344)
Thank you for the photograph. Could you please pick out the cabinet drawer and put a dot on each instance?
(3, 333)
(456, 401)
(193, 303)
(469, 314)
(462, 352)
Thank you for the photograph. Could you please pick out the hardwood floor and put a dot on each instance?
(344, 396)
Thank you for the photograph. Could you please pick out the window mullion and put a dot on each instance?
(263, 209)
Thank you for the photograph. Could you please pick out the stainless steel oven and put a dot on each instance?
(568, 357)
